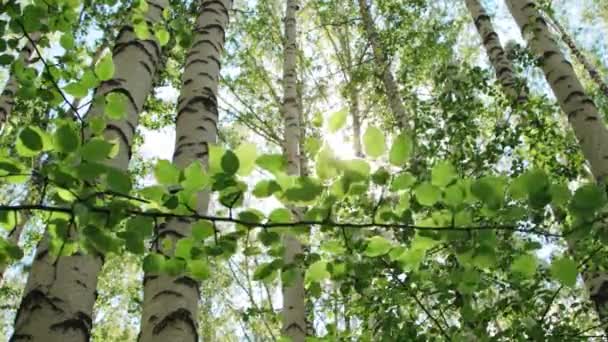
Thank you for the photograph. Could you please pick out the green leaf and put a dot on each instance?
(565, 270)
(266, 188)
(230, 163)
(118, 180)
(490, 190)
(141, 30)
(525, 265)
(76, 89)
(163, 36)
(202, 229)
(195, 177)
(443, 174)
(427, 194)
(67, 41)
(31, 139)
(66, 138)
(374, 142)
(377, 246)
(381, 176)
(401, 150)
(337, 120)
(403, 181)
(272, 163)
(199, 269)
(153, 263)
(587, 200)
(317, 272)
(8, 219)
(96, 150)
(116, 106)
(183, 248)
(247, 154)
(166, 173)
(104, 70)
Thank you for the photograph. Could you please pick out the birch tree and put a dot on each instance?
(57, 304)
(500, 62)
(170, 306)
(294, 308)
(383, 68)
(583, 116)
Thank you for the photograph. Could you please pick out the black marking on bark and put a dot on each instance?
(600, 297)
(155, 5)
(149, 278)
(126, 93)
(168, 232)
(573, 94)
(591, 118)
(180, 314)
(21, 337)
(146, 66)
(82, 322)
(194, 61)
(206, 41)
(188, 282)
(561, 79)
(113, 128)
(138, 45)
(167, 293)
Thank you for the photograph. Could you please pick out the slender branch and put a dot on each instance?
(268, 224)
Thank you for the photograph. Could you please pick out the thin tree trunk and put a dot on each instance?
(498, 58)
(170, 307)
(294, 311)
(58, 300)
(390, 86)
(353, 93)
(594, 74)
(7, 97)
(582, 113)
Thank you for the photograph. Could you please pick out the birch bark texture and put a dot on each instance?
(383, 68)
(170, 307)
(57, 305)
(294, 310)
(502, 65)
(7, 97)
(594, 74)
(582, 114)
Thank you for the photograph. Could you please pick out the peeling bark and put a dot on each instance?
(7, 97)
(294, 310)
(384, 70)
(583, 116)
(58, 300)
(170, 307)
(498, 58)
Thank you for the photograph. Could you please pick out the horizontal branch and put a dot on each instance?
(227, 219)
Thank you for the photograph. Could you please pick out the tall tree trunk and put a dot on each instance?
(384, 70)
(15, 235)
(60, 292)
(582, 113)
(500, 62)
(170, 307)
(7, 97)
(294, 311)
(594, 74)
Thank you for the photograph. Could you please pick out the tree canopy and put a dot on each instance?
(303, 170)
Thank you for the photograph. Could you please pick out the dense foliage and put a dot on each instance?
(473, 223)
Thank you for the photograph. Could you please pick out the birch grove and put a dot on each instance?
(302, 170)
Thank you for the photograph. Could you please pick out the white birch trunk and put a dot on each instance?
(498, 58)
(7, 97)
(294, 310)
(582, 113)
(388, 80)
(57, 304)
(170, 307)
